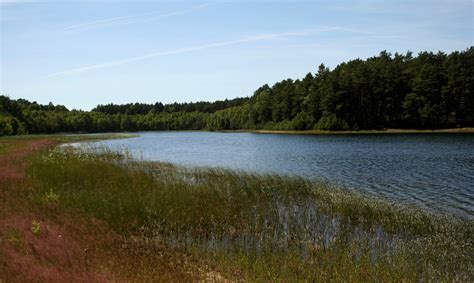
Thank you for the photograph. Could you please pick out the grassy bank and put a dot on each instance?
(41, 241)
(253, 227)
(17, 141)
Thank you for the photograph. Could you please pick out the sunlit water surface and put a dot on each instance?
(433, 171)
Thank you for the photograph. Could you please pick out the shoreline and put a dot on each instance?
(120, 135)
(109, 218)
(361, 132)
(56, 243)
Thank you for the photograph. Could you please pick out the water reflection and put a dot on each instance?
(434, 171)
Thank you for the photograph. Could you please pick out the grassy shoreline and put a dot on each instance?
(360, 132)
(232, 225)
(256, 226)
(77, 137)
(43, 242)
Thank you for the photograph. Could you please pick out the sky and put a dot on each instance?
(84, 53)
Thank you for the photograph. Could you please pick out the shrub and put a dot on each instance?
(302, 121)
(331, 123)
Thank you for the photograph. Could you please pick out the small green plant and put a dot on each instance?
(35, 228)
(51, 197)
(12, 235)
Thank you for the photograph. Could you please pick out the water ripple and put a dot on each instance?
(433, 171)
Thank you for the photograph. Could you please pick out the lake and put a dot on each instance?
(432, 171)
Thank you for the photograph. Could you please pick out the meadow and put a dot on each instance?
(256, 227)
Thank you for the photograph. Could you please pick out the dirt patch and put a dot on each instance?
(11, 162)
(9, 174)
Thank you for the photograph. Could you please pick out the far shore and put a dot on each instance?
(121, 135)
(363, 132)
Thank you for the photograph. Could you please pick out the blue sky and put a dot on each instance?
(83, 53)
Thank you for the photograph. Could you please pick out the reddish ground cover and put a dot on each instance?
(39, 244)
(11, 168)
(49, 254)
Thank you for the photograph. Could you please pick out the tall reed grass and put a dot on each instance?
(255, 226)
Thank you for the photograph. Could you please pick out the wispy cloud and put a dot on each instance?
(10, 2)
(255, 38)
(97, 22)
(142, 18)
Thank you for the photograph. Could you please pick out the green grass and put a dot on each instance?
(7, 140)
(256, 227)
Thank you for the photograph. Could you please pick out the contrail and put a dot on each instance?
(98, 22)
(133, 18)
(260, 37)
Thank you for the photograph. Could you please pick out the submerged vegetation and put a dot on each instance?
(429, 91)
(252, 226)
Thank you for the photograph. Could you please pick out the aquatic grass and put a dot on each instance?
(258, 226)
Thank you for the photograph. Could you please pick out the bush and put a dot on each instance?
(302, 121)
(11, 126)
(284, 125)
(331, 123)
(6, 127)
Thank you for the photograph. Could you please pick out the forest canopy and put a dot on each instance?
(428, 91)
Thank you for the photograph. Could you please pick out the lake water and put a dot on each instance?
(433, 171)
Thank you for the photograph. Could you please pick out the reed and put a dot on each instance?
(256, 226)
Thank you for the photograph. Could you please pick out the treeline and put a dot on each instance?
(431, 90)
(385, 91)
(142, 108)
(24, 117)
